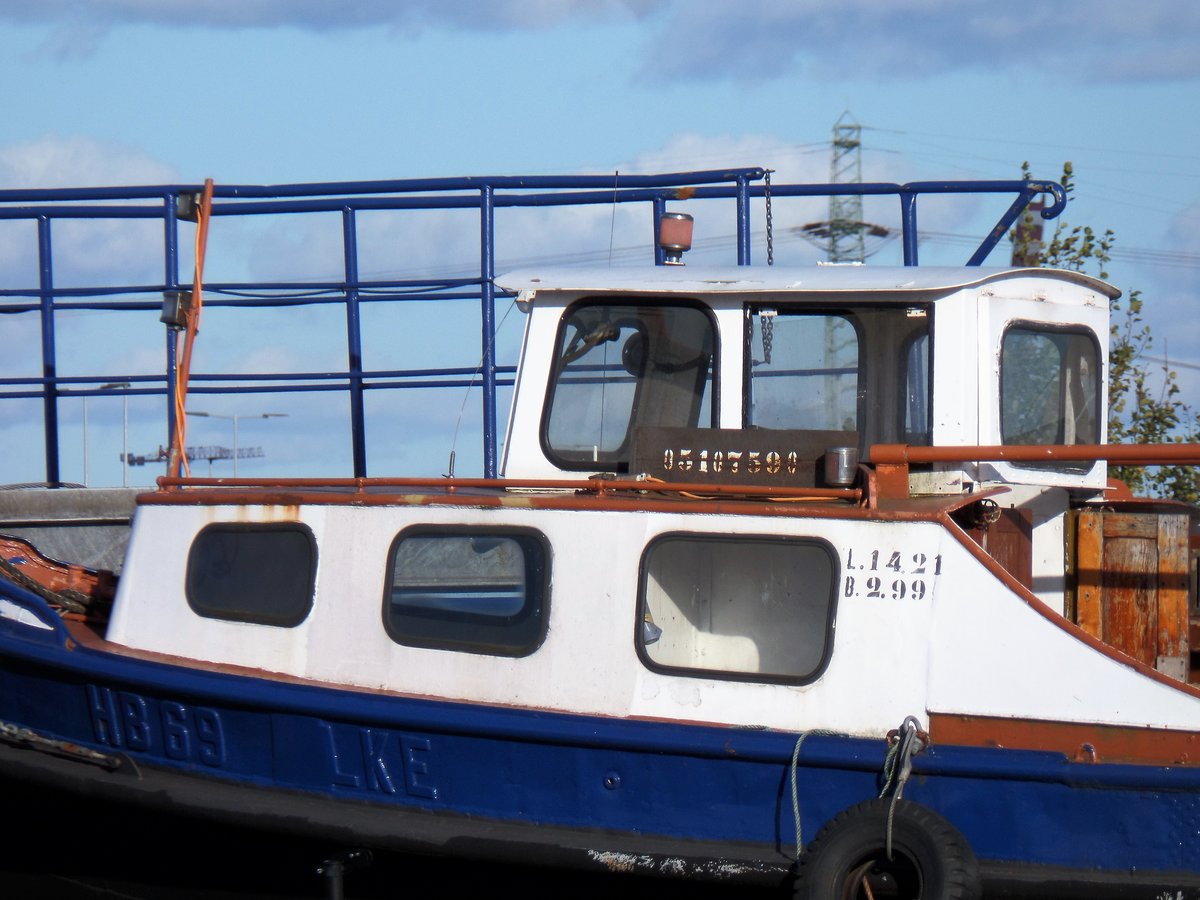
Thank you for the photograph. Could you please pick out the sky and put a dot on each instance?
(122, 92)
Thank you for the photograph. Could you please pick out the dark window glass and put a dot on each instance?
(1049, 389)
(253, 573)
(752, 608)
(624, 365)
(478, 591)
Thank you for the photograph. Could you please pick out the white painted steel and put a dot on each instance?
(970, 645)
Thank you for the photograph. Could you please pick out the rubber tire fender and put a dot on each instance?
(931, 860)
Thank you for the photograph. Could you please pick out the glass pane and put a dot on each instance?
(916, 407)
(246, 573)
(480, 575)
(620, 366)
(1049, 387)
(479, 592)
(756, 607)
(804, 372)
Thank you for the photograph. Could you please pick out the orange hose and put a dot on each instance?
(191, 318)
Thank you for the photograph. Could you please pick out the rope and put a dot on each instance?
(68, 600)
(795, 796)
(897, 766)
(192, 325)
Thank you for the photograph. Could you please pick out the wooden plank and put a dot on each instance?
(1173, 576)
(1089, 560)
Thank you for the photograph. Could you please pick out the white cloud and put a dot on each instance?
(55, 161)
(897, 39)
(323, 15)
(751, 40)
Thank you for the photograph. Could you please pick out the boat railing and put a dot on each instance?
(891, 462)
(175, 205)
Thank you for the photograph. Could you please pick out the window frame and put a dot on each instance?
(537, 584)
(830, 629)
(253, 617)
(1051, 328)
(619, 459)
(879, 418)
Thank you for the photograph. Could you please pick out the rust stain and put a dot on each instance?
(1078, 741)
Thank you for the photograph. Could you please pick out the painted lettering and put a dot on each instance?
(130, 721)
(385, 762)
(374, 745)
(417, 753)
(911, 573)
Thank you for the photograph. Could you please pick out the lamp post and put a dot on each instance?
(112, 385)
(234, 418)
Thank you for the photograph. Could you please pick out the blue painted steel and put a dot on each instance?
(487, 263)
(743, 221)
(658, 207)
(354, 345)
(49, 363)
(483, 193)
(644, 778)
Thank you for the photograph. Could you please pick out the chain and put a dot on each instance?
(766, 320)
(770, 233)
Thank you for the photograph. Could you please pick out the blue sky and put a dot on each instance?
(271, 91)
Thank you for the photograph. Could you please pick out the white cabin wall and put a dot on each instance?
(523, 455)
(731, 337)
(151, 612)
(1055, 303)
(956, 384)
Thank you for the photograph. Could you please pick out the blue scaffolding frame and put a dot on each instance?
(171, 203)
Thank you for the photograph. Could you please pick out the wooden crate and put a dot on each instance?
(1132, 588)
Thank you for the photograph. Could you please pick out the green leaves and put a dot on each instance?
(1144, 406)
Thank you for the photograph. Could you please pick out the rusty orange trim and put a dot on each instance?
(98, 584)
(1055, 618)
(1125, 454)
(1078, 741)
(597, 486)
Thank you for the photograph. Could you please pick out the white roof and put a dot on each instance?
(755, 279)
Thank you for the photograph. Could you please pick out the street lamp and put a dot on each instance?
(112, 385)
(234, 418)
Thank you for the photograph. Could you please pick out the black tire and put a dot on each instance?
(848, 858)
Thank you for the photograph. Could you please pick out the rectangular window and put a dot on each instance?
(264, 574)
(806, 374)
(752, 608)
(624, 365)
(476, 591)
(1049, 387)
(852, 376)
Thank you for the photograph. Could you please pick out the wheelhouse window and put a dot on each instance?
(470, 590)
(848, 376)
(757, 608)
(1049, 387)
(265, 574)
(620, 365)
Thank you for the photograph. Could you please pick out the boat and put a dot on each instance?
(804, 578)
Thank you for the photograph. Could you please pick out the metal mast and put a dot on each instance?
(846, 212)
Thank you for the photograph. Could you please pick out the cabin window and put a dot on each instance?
(471, 590)
(621, 365)
(1049, 388)
(265, 574)
(758, 608)
(850, 376)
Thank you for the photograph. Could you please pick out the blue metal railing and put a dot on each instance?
(170, 204)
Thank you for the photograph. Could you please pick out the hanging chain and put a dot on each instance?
(766, 321)
(770, 233)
